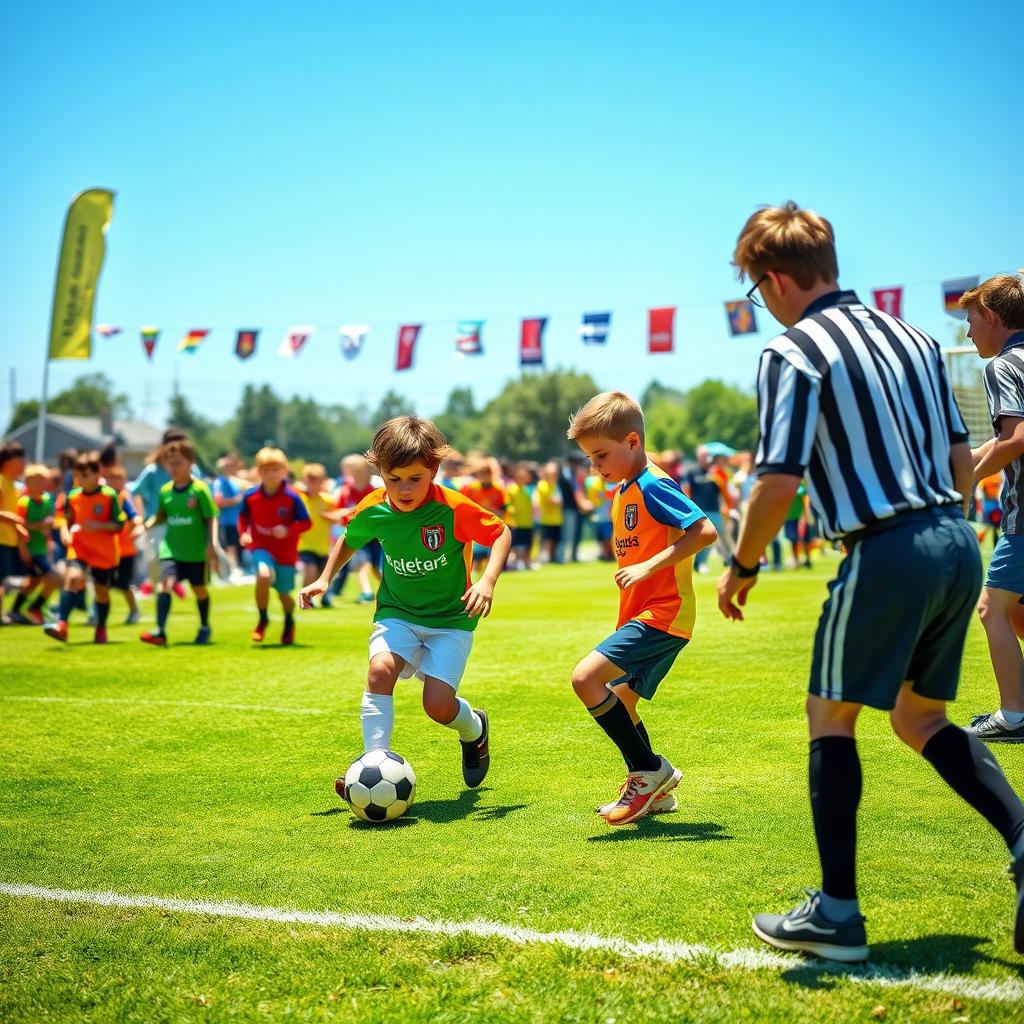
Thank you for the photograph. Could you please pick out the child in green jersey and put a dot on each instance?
(427, 605)
(37, 510)
(187, 551)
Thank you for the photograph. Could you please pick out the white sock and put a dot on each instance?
(377, 717)
(467, 722)
(1012, 718)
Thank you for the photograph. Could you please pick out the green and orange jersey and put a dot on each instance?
(649, 514)
(99, 549)
(428, 554)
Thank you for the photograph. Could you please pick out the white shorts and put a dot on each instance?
(438, 653)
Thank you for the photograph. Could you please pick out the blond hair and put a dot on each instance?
(610, 414)
(271, 457)
(1002, 295)
(34, 469)
(407, 439)
(315, 469)
(786, 239)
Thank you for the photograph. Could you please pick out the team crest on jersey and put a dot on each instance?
(432, 537)
(97, 509)
(191, 503)
(282, 512)
(631, 515)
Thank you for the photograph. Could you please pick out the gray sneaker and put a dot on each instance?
(993, 728)
(1017, 870)
(806, 929)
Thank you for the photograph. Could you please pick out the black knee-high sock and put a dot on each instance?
(642, 729)
(203, 604)
(163, 609)
(19, 600)
(67, 602)
(102, 611)
(612, 716)
(970, 770)
(37, 602)
(835, 793)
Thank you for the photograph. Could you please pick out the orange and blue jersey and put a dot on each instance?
(260, 512)
(99, 549)
(649, 514)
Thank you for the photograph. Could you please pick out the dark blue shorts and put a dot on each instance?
(10, 562)
(522, 537)
(41, 566)
(644, 654)
(1006, 570)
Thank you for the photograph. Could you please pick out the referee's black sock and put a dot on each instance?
(612, 716)
(971, 771)
(203, 604)
(835, 794)
(163, 609)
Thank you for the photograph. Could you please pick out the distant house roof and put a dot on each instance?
(131, 435)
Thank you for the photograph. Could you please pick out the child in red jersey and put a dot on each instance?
(271, 518)
(657, 531)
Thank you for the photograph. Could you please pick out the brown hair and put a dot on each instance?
(182, 448)
(800, 243)
(315, 469)
(1002, 295)
(88, 461)
(610, 414)
(407, 439)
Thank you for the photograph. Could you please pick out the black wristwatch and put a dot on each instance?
(742, 571)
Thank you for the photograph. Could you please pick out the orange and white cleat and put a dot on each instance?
(57, 630)
(259, 632)
(664, 804)
(640, 793)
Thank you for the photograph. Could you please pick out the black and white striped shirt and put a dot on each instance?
(1004, 387)
(858, 401)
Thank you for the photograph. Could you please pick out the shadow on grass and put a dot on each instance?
(439, 812)
(277, 647)
(960, 954)
(671, 831)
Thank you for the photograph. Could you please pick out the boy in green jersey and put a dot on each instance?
(427, 605)
(187, 551)
(36, 508)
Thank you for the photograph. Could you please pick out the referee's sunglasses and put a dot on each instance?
(754, 295)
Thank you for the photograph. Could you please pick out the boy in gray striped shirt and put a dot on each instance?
(995, 313)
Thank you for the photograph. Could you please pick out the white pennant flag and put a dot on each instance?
(292, 342)
(352, 338)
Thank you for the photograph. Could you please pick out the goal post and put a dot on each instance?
(966, 377)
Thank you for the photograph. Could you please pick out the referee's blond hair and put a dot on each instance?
(1002, 295)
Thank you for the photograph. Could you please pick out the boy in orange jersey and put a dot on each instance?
(94, 519)
(657, 531)
(487, 494)
(133, 526)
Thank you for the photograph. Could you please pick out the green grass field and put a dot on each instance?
(207, 774)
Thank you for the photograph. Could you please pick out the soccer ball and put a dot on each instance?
(379, 786)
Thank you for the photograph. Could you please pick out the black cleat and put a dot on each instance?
(1017, 870)
(805, 929)
(476, 757)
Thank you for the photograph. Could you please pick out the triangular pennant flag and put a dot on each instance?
(468, 340)
(352, 338)
(294, 340)
(741, 317)
(193, 339)
(595, 328)
(245, 341)
(531, 341)
(107, 330)
(150, 336)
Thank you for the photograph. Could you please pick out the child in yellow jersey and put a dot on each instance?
(657, 531)
(14, 553)
(548, 501)
(520, 496)
(315, 543)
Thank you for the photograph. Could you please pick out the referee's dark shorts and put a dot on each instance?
(898, 610)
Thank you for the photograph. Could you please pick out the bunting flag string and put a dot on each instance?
(245, 342)
(407, 335)
(660, 327)
(468, 337)
(352, 338)
(294, 340)
(952, 290)
(741, 317)
(193, 339)
(150, 336)
(531, 341)
(595, 328)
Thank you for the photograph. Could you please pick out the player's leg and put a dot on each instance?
(74, 584)
(263, 569)
(101, 580)
(666, 803)
(199, 577)
(998, 609)
(167, 580)
(284, 584)
(377, 709)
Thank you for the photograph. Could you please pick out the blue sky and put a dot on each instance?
(330, 163)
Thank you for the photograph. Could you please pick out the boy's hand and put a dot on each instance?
(279, 531)
(245, 539)
(630, 574)
(478, 599)
(315, 589)
(732, 586)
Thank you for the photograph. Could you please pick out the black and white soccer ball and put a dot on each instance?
(379, 786)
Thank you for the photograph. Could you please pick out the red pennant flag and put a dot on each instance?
(531, 341)
(407, 335)
(660, 327)
(889, 300)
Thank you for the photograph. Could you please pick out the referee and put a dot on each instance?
(859, 402)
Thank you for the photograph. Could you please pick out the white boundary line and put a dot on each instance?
(131, 701)
(1003, 991)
